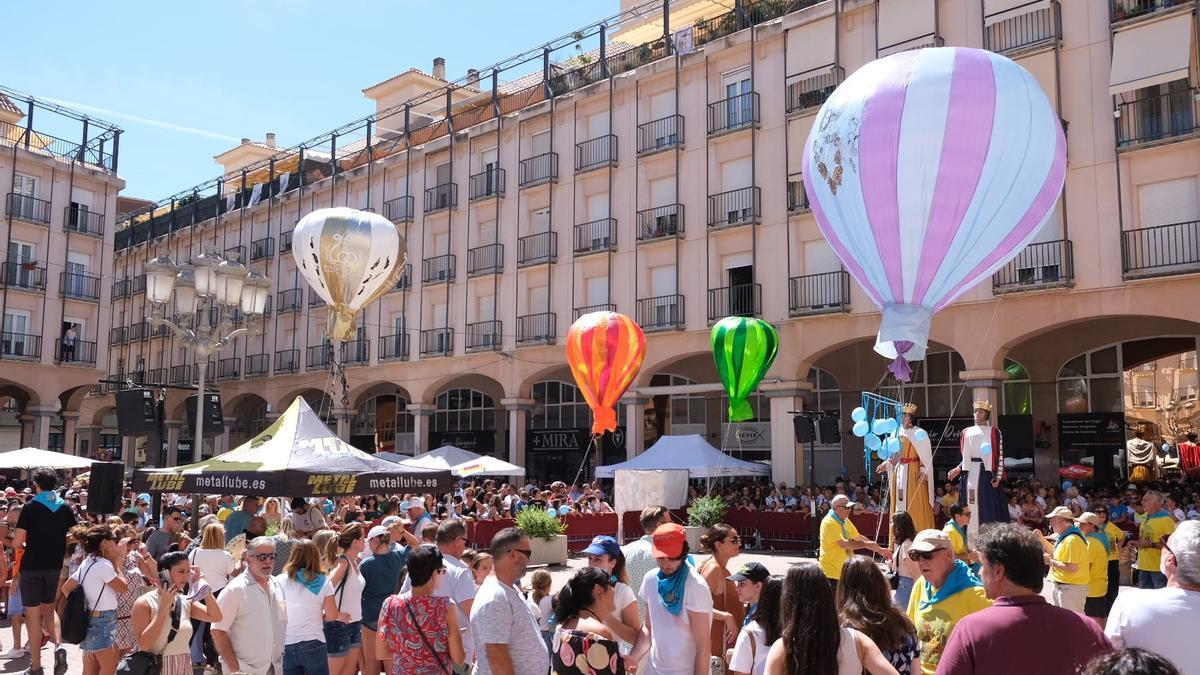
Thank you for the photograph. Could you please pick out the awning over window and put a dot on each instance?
(996, 11)
(811, 46)
(904, 20)
(1150, 54)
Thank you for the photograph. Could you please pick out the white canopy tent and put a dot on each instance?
(33, 458)
(460, 462)
(691, 453)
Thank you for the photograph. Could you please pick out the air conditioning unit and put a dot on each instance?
(1041, 274)
(665, 315)
(488, 340)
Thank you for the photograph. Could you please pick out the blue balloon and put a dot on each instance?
(873, 442)
(892, 425)
(892, 445)
(921, 435)
(860, 429)
(879, 427)
(986, 449)
(1067, 485)
(859, 414)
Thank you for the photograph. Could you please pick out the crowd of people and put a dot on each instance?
(388, 584)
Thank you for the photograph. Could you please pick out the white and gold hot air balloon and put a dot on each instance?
(349, 257)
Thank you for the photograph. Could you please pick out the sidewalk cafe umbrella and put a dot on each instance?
(297, 456)
(33, 458)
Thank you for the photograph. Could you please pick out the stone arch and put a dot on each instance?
(559, 371)
(24, 396)
(467, 412)
(315, 396)
(376, 388)
(488, 385)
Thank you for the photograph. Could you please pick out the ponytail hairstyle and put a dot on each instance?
(716, 533)
(541, 585)
(349, 535)
(90, 537)
(577, 595)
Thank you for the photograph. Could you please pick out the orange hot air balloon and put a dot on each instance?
(605, 351)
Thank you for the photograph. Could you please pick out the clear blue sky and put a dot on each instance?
(191, 78)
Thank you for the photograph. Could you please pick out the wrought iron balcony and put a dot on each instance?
(488, 259)
(31, 209)
(81, 221)
(489, 183)
(393, 347)
(797, 195)
(319, 356)
(735, 207)
(356, 352)
(261, 249)
(660, 134)
(1159, 117)
(806, 91)
(20, 345)
(825, 293)
(405, 281)
(484, 336)
(536, 249)
(138, 284)
(660, 222)
(538, 169)
(437, 342)
(399, 210)
(26, 275)
(438, 269)
(285, 241)
(139, 331)
(740, 300)
(163, 331)
(181, 375)
(1024, 28)
(921, 42)
(664, 312)
(156, 376)
(596, 153)
(210, 370)
(287, 361)
(1047, 264)
(237, 253)
(257, 365)
(441, 197)
(536, 328)
(588, 309)
(79, 352)
(595, 236)
(1161, 251)
(1127, 10)
(314, 299)
(118, 335)
(79, 286)
(229, 369)
(122, 288)
(733, 113)
(290, 300)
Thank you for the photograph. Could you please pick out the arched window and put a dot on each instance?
(366, 418)
(935, 387)
(1091, 382)
(685, 408)
(1018, 396)
(824, 395)
(464, 410)
(559, 405)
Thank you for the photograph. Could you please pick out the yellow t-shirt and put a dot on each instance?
(1097, 568)
(1153, 530)
(935, 623)
(956, 539)
(833, 556)
(1115, 536)
(1071, 550)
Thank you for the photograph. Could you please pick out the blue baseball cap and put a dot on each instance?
(602, 545)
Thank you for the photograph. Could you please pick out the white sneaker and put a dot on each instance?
(15, 653)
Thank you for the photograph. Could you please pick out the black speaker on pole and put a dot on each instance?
(137, 412)
(105, 487)
(804, 429)
(214, 421)
(829, 430)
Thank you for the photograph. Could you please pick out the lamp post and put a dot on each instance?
(207, 294)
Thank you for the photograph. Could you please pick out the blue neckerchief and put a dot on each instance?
(670, 589)
(961, 532)
(750, 614)
(839, 521)
(612, 578)
(314, 585)
(960, 579)
(1072, 530)
(50, 500)
(1160, 514)
(1103, 539)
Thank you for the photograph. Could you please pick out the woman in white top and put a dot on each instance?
(154, 619)
(343, 640)
(812, 641)
(903, 533)
(762, 629)
(103, 579)
(215, 563)
(605, 554)
(308, 596)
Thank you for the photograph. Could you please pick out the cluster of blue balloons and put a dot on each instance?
(878, 435)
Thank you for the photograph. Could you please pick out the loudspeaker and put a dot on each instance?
(105, 487)
(137, 412)
(804, 429)
(214, 421)
(829, 431)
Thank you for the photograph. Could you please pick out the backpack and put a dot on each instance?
(75, 615)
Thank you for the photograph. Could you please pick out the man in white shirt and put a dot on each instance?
(679, 608)
(1164, 620)
(306, 518)
(249, 636)
(508, 640)
(638, 558)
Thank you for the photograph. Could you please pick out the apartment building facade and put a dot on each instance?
(659, 176)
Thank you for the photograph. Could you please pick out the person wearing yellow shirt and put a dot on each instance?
(839, 538)
(946, 592)
(1154, 530)
(956, 531)
(1098, 545)
(1069, 561)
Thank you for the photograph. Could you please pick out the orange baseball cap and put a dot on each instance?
(668, 540)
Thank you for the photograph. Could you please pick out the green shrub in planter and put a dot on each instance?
(539, 524)
(706, 512)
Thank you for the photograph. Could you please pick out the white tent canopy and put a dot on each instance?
(32, 458)
(691, 453)
(460, 462)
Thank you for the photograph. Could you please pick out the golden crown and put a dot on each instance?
(983, 405)
(910, 408)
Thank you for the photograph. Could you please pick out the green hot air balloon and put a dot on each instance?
(743, 350)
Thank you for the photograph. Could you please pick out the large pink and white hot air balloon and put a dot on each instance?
(927, 171)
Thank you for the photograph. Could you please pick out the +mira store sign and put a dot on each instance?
(551, 453)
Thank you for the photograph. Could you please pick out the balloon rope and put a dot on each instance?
(587, 451)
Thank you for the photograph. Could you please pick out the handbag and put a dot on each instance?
(149, 663)
(426, 642)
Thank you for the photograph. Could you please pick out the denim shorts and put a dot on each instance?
(101, 631)
(340, 637)
(305, 658)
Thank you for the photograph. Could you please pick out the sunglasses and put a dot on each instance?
(528, 553)
(263, 557)
(734, 540)
(920, 555)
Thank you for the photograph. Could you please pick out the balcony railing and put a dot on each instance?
(1026, 29)
(24, 207)
(257, 364)
(399, 210)
(356, 352)
(538, 169)
(79, 286)
(806, 91)
(588, 309)
(489, 183)
(597, 235)
(438, 269)
(156, 376)
(78, 352)
(536, 328)
(596, 153)
(825, 293)
(26, 275)
(1143, 399)
(664, 312)
(285, 241)
(287, 361)
(484, 336)
(660, 222)
(237, 253)
(405, 281)
(733, 113)
(660, 134)
(739, 300)
(20, 345)
(1161, 251)
(441, 197)
(488, 259)
(1047, 264)
(121, 288)
(229, 369)
(314, 299)
(118, 335)
(290, 300)
(139, 331)
(922, 42)
(181, 375)
(261, 249)
(735, 207)
(81, 221)
(1188, 393)
(392, 347)
(1159, 117)
(1124, 10)
(536, 249)
(138, 284)
(797, 195)
(437, 342)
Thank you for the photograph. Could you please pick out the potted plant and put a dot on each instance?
(703, 514)
(547, 536)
